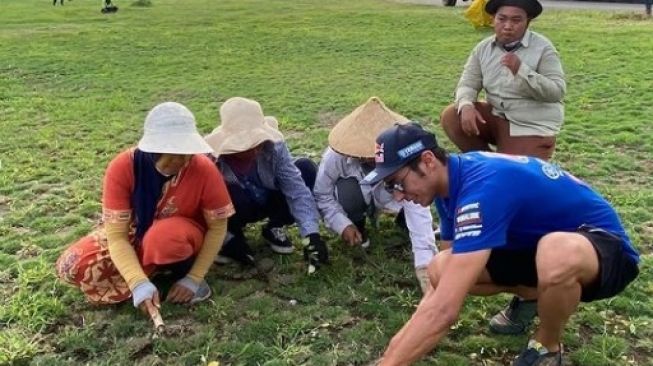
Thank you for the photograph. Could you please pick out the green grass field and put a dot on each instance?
(75, 86)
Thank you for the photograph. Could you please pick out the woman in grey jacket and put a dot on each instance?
(265, 182)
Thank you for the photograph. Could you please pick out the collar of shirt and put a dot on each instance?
(524, 40)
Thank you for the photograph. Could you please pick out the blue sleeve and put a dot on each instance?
(446, 221)
(482, 216)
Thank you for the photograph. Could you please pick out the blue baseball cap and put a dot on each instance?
(396, 147)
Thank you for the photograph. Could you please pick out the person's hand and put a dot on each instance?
(352, 236)
(469, 115)
(151, 306)
(182, 291)
(315, 252)
(511, 61)
(146, 297)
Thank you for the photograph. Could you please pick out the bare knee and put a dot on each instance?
(565, 258)
(437, 265)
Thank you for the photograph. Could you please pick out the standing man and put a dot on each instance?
(515, 224)
(523, 80)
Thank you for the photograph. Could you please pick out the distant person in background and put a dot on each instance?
(345, 205)
(264, 182)
(164, 210)
(54, 2)
(108, 7)
(522, 76)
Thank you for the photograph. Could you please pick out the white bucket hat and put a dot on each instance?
(355, 134)
(243, 127)
(170, 129)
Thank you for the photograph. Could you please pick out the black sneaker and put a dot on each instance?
(277, 239)
(235, 248)
(536, 354)
(400, 221)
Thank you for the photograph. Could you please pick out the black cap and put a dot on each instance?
(396, 147)
(533, 8)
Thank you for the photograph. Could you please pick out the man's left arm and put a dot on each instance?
(547, 82)
(438, 311)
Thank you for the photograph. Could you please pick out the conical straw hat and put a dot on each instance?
(355, 134)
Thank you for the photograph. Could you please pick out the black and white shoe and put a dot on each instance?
(278, 239)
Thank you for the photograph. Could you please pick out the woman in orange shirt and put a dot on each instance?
(164, 208)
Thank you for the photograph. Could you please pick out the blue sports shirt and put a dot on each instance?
(510, 202)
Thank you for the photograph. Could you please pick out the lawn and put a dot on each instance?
(75, 86)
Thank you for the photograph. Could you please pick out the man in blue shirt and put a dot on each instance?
(515, 224)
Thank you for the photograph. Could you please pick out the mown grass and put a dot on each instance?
(75, 86)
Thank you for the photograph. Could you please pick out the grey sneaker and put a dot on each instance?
(537, 355)
(203, 293)
(516, 318)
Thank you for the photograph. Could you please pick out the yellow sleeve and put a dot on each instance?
(217, 229)
(123, 254)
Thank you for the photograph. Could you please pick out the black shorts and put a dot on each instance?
(616, 268)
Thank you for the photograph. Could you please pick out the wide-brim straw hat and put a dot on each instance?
(170, 128)
(243, 127)
(355, 135)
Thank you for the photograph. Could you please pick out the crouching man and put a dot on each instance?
(516, 224)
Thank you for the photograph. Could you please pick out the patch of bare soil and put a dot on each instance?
(4, 205)
(28, 251)
(263, 270)
(328, 118)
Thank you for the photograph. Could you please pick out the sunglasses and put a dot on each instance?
(395, 186)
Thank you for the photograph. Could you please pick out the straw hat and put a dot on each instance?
(243, 127)
(170, 129)
(355, 134)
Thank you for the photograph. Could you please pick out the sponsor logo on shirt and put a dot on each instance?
(469, 222)
(552, 171)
